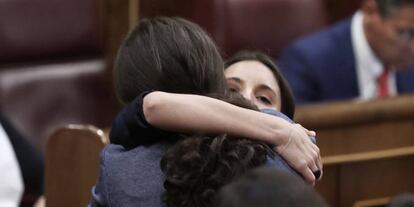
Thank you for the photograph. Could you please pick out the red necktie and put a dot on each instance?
(383, 89)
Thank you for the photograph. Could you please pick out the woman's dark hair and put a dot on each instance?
(167, 54)
(266, 186)
(197, 167)
(288, 104)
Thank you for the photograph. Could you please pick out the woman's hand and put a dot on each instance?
(300, 152)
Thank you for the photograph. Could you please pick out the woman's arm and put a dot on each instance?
(195, 113)
(201, 114)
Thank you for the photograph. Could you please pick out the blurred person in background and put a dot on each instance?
(367, 56)
(21, 168)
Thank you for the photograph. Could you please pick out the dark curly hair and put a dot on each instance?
(197, 167)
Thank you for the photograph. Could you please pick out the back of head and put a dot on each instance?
(197, 167)
(167, 54)
(288, 104)
(267, 187)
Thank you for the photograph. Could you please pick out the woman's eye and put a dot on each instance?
(264, 100)
(235, 90)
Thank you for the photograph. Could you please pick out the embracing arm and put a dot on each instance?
(140, 123)
(195, 113)
(151, 115)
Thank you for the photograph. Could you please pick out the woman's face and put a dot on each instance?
(256, 82)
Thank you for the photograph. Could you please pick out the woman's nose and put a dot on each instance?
(248, 95)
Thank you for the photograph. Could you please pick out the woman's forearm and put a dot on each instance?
(201, 114)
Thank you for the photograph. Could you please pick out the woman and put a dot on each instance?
(191, 167)
(174, 55)
(252, 74)
(255, 76)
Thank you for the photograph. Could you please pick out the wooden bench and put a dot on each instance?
(360, 179)
(352, 127)
(367, 148)
(356, 179)
(72, 164)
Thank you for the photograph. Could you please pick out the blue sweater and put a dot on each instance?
(130, 173)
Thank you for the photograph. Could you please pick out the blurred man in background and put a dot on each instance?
(368, 56)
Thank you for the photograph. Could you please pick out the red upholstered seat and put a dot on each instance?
(34, 30)
(52, 67)
(42, 98)
(268, 25)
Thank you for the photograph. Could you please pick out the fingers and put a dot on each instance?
(310, 171)
(302, 154)
(317, 156)
(320, 168)
(318, 172)
(310, 133)
(318, 162)
(308, 175)
(313, 166)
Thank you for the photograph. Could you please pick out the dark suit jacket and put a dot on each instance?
(321, 67)
(30, 162)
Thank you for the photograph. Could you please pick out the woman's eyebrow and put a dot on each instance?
(267, 88)
(238, 80)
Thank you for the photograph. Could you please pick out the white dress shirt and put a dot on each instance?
(11, 181)
(368, 66)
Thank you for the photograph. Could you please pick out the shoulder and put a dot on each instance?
(133, 176)
(405, 80)
(277, 162)
(320, 44)
(115, 156)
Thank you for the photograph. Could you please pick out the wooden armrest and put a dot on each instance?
(327, 115)
(367, 156)
(373, 202)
